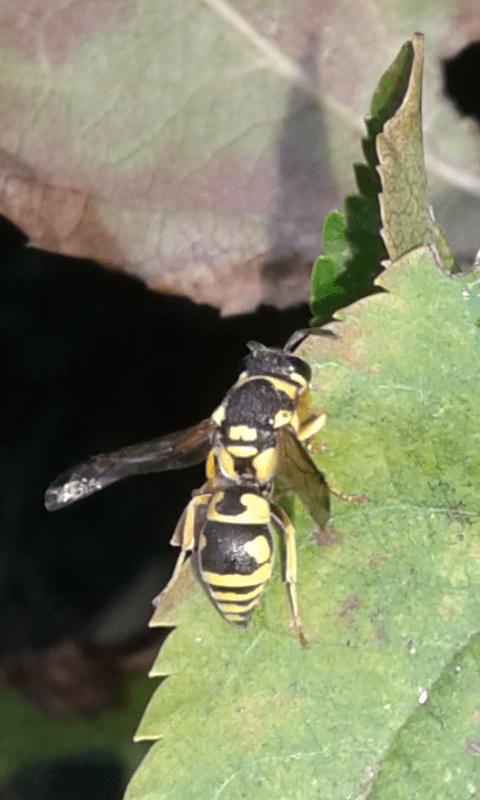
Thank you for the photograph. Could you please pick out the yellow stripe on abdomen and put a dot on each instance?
(230, 581)
(236, 608)
(235, 595)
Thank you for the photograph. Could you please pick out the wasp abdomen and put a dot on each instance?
(236, 553)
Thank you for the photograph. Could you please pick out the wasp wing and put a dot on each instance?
(174, 451)
(297, 468)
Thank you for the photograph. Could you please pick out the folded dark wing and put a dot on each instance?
(173, 451)
(297, 468)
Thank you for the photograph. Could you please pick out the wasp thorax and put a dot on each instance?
(255, 404)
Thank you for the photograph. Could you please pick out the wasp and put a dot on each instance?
(255, 438)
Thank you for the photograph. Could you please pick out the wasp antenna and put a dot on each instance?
(323, 332)
(298, 336)
(255, 347)
(295, 339)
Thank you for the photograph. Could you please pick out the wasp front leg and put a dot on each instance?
(310, 426)
(184, 537)
(290, 568)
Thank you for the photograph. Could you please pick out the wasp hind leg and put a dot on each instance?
(349, 498)
(184, 537)
(308, 429)
(290, 569)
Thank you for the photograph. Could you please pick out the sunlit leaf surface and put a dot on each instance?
(389, 596)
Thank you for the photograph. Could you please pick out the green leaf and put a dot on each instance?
(434, 755)
(389, 594)
(391, 214)
(392, 88)
(329, 266)
(407, 217)
(472, 296)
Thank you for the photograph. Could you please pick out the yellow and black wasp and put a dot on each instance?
(253, 438)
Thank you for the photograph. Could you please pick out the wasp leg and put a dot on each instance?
(310, 428)
(311, 425)
(184, 537)
(290, 568)
(349, 498)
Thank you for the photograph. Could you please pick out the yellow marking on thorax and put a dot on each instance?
(259, 549)
(261, 575)
(290, 387)
(295, 376)
(291, 390)
(226, 464)
(244, 376)
(210, 466)
(265, 464)
(281, 384)
(242, 450)
(282, 417)
(219, 415)
(243, 433)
